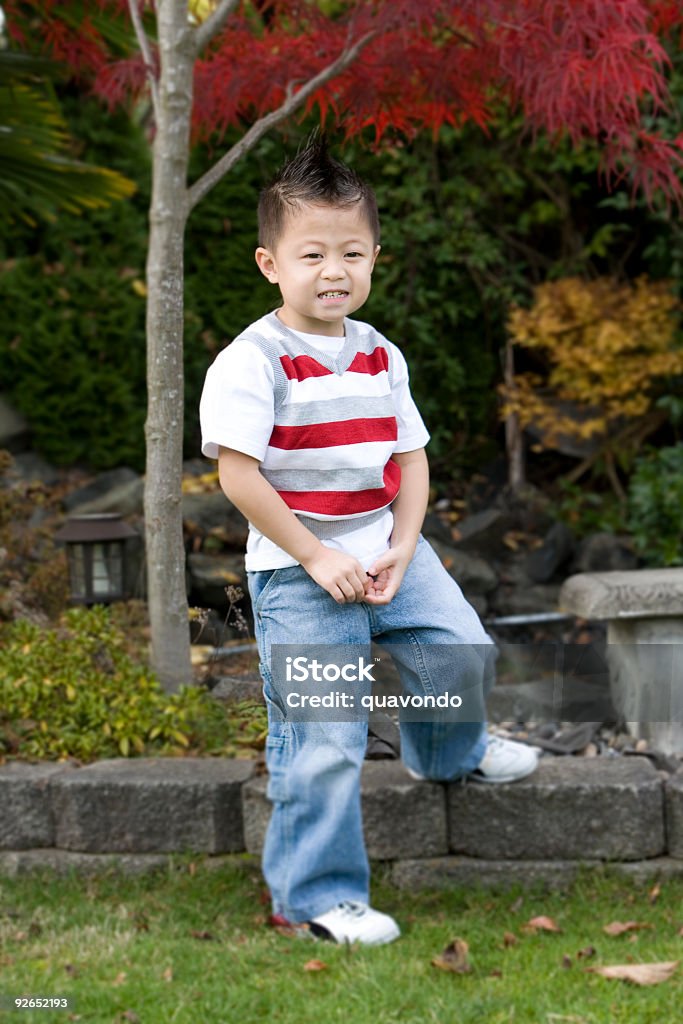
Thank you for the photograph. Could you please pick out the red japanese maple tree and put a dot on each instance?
(592, 69)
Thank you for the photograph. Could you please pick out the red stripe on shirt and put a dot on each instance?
(346, 503)
(302, 367)
(374, 363)
(327, 435)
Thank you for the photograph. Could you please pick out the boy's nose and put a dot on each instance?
(333, 270)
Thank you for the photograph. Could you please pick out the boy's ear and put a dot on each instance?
(374, 256)
(266, 264)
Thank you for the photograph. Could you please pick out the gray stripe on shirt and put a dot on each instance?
(328, 529)
(361, 479)
(335, 410)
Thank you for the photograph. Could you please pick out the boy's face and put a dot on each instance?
(322, 263)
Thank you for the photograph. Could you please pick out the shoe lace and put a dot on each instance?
(352, 908)
(494, 742)
(494, 745)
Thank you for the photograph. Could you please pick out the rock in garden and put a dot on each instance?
(604, 552)
(14, 429)
(116, 490)
(545, 561)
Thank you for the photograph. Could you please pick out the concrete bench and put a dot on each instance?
(643, 609)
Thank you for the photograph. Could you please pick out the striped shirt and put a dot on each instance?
(323, 416)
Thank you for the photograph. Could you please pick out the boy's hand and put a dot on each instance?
(342, 576)
(386, 574)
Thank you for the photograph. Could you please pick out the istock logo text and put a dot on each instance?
(301, 669)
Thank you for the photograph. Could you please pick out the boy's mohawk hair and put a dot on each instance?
(312, 176)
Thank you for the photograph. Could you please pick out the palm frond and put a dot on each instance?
(15, 66)
(37, 175)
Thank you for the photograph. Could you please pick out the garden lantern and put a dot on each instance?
(96, 556)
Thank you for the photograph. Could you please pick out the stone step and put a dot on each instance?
(401, 817)
(14, 863)
(568, 809)
(674, 814)
(26, 818)
(151, 805)
(471, 872)
(433, 873)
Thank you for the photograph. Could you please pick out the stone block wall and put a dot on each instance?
(570, 812)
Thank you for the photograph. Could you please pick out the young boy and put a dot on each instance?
(321, 447)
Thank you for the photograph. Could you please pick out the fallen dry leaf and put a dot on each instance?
(198, 484)
(168, 974)
(199, 655)
(541, 924)
(284, 927)
(619, 927)
(585, 953)
(654, 892)
(509, 939)
(204, 936)
(567, 961)
(120, 978)
(639, 974)
(454, 958)
(315, 965)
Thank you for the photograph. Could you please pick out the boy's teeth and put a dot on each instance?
(332, 295)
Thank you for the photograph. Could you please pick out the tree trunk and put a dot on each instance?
(514, 440)
(167, 597)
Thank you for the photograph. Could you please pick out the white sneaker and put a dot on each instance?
(505, 761)
(350, 921)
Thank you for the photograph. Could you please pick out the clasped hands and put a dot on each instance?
(345, 579)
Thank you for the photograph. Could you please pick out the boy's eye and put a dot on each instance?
(313, 256)
(353, 255)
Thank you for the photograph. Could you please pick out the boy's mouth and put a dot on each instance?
(335, 294)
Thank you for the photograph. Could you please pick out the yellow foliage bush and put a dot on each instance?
(610, 347)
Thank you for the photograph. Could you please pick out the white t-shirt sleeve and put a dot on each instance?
(237, 404)
(412, 432)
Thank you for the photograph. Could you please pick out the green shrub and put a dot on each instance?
(655, 506)
(73, 355)
(72, 337)
(470, 223)
(586, 510)
(76, 691)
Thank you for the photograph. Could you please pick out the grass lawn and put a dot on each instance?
(188, 945)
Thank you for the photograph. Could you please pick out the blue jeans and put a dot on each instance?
(314, 854)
